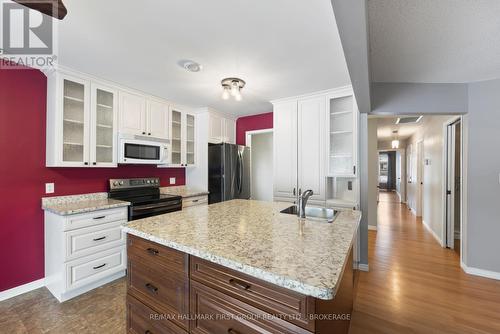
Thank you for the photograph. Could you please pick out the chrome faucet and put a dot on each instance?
(301, 206)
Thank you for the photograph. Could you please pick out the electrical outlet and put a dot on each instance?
(49, 188)
(172, 180)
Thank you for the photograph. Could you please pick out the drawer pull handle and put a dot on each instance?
(196, 200)
(239, 284)
(232, 331)
(101, 238)
(153, 251)
(100, 266)
(100, 217)
(148, 332)
(151, 287)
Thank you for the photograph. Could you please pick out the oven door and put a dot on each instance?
(154, 209)
(134, 151)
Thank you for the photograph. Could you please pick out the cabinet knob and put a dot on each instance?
(144, 133)
(149, 133)
(85, 163)
(94, 163)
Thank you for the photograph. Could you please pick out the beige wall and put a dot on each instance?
(431, 132)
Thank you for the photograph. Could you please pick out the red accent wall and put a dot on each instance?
(253, 122)
(23, 172)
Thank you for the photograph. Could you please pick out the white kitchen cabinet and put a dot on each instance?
(84, 251)
(142, 115)
(221, 129)
(183, 138)
(81, 122)
(311, 146)
(285, 150)
(132, 114)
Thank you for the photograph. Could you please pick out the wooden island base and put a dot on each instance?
(172, 292)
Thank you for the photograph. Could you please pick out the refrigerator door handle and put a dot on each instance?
(241, 173)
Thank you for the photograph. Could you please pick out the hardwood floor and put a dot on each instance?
(416, 286)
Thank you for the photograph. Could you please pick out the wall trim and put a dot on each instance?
(363, 267)
(19, 290)
(372, 227)
(480, 272)
(433, 233)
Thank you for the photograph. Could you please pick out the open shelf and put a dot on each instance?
(72, 143)
(73, 99)
(104, 106)
(74, 121)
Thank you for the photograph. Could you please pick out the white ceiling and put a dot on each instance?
(434, 40)
(280, 48)
(385, 126)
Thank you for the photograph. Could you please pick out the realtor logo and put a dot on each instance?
(25, 31)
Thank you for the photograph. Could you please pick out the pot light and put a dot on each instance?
(232, 87)
(190, 66)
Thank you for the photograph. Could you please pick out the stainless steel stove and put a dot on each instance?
(144, 196)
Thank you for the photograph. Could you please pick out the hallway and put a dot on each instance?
(416, 286)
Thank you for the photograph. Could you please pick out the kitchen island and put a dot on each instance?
(240, 267)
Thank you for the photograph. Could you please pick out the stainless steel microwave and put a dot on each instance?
(134, 149)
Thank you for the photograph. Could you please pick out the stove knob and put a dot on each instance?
(156, 181)
(148, 181)
(115, 183)
(121, 183)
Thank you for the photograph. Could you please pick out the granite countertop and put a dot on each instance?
(253, 237)
(183, 191)
(73, 204)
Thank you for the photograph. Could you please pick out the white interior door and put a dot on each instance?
(420, 178)
(285, 150)
(450, 186)
(311, 146)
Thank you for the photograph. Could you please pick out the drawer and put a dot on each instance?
(152, 252)
(213, 313)
(161, 289)
(95, 218)
(94, 267)
(89, 240)
(266, 296)
(141, 319)
(193, 201)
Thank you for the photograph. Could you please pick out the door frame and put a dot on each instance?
(463, 184)
(419, 196)
(248, 142)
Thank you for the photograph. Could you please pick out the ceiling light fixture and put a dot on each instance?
(395, 141)
(232, 87)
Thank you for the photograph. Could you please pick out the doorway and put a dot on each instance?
(453, 187)
(261, 173)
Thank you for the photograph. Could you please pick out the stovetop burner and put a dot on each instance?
(144, 194)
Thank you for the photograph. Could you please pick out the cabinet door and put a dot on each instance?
(176, 134)
(75, 121)
(230, 131)
(285, 149)
(311, 146)
(190, 140)
(103, 126)
(215, 128)
(157, 119)
(132, 114)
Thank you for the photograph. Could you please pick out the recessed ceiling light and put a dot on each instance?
(190, 65)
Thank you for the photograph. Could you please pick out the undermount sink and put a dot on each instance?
(320, 214)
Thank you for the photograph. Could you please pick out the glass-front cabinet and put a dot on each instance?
(183, 139)
(81, 123)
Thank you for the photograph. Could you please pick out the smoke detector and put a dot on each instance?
(190, 66)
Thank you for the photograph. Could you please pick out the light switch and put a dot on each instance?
(172, 180)
(49, 188)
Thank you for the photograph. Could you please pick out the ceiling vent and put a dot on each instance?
(410, 119)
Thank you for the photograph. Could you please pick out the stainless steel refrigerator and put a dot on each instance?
(228, 172)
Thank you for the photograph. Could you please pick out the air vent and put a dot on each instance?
(410, 119)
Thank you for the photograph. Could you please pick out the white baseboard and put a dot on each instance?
(438, 239)
(372, 227)
(19, 290)
(480, 272)
(363, 267)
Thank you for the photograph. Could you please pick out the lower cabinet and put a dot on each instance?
(194, 201)
(172, 292)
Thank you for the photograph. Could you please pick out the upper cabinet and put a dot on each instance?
(299, 147)
(81, 122)
(221, 129)
(183, 138)
(140, 115)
